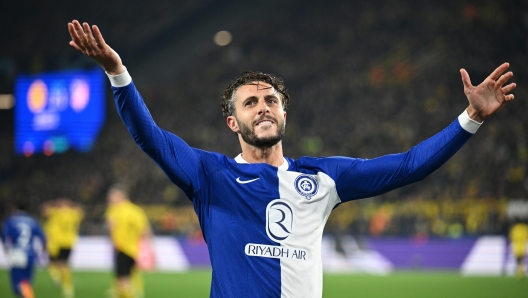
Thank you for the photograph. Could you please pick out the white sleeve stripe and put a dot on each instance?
(467, 123)
(120, 80)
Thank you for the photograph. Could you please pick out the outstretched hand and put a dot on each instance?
(488, 97)
(94, 46)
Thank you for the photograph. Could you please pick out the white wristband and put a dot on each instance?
(120, 80)
(467, 123)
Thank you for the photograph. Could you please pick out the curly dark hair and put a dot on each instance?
(228, 100)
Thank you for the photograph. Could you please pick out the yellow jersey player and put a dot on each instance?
(128, 224)
(518, 238)
(62, 220)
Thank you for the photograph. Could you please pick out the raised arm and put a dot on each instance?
(92, 44)
(179, 161)
(129, 102)
(364, 178)
(367, 178)
(488, 97)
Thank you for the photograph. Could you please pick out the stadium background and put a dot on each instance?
(366, 79)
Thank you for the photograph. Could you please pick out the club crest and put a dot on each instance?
(306, 186)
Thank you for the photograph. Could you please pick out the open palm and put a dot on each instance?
(90, 42)
(488, 97)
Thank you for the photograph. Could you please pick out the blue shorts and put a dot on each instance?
(21, 274)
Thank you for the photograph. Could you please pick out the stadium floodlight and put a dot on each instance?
(223, 38)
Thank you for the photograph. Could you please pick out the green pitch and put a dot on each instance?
(196, 284)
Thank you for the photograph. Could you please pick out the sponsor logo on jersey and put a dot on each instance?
(306, 186)
(279, 220)
(276, 252)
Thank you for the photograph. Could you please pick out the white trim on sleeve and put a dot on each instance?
(467, 123)
(120, 80)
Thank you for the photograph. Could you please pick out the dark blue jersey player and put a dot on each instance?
(19, 232)
(262, 214)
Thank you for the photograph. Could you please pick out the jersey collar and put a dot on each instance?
(283, 166)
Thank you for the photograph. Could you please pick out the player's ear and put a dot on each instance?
(232, 123)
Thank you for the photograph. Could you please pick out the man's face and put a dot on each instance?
(259, 115)
(115, 196)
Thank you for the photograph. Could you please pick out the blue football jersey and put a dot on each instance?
(19, 232)
(263, 224)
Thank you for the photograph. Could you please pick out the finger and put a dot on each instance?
(73, 33)
(73, 44)
(89, 34)
(503, 79)
(90, 40)
(509, 88)
(78, 28)
(80, 32)
(98, 36)
(465, 79)
(509, 97)
(498, 71)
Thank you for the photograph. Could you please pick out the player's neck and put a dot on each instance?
(270, 155)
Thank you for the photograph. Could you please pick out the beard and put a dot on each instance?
(249, 136)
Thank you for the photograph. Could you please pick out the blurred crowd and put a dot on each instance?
(366, 79)
(416, 216)
(422, 218)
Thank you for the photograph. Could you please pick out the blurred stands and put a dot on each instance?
(366, 79)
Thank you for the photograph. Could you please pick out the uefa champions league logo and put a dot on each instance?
(306, 186)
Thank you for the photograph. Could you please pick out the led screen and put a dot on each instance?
(56, 111)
